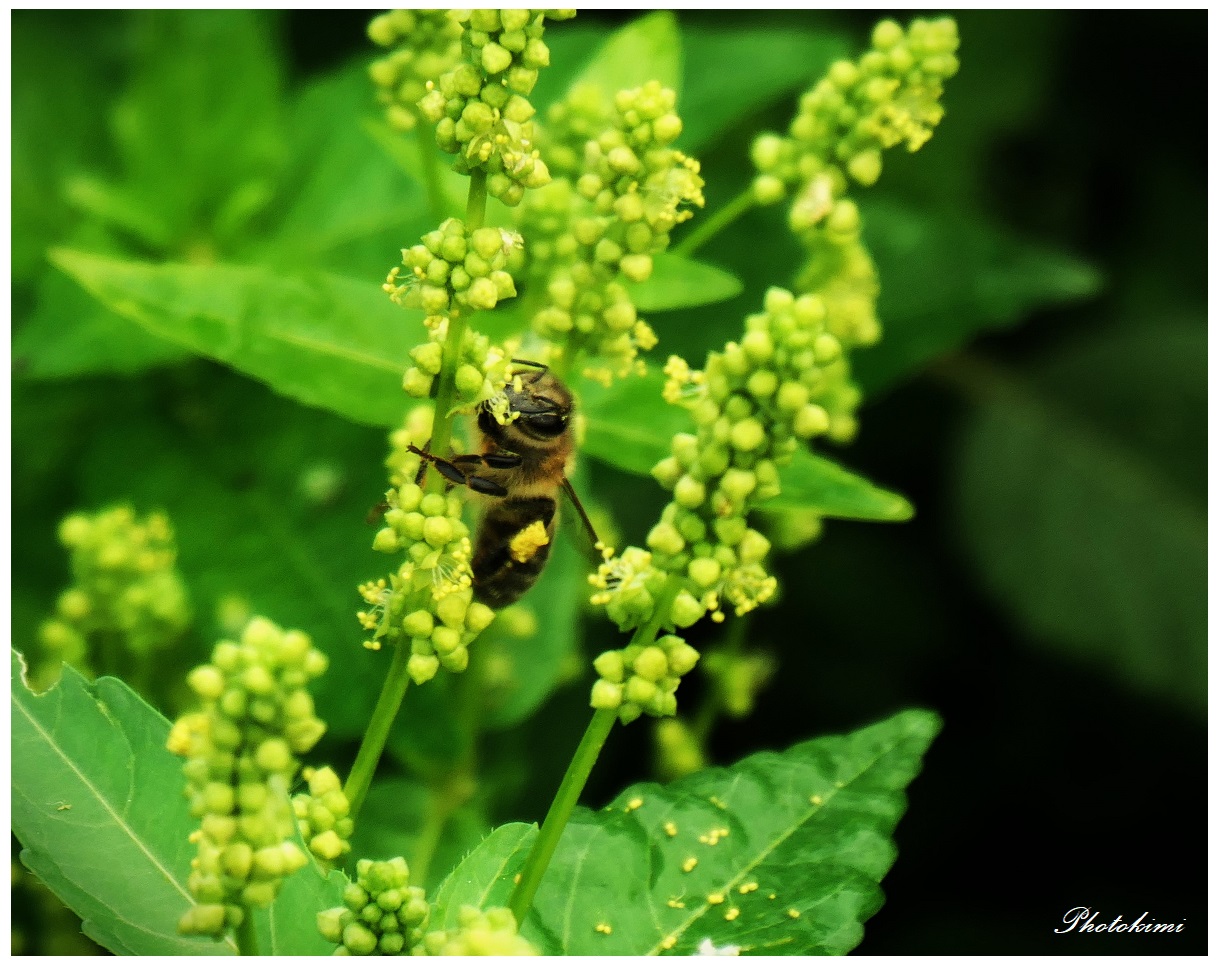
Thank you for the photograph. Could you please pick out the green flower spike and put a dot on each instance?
(481, 108)
(322, 816)
(592, 233)
(428, 603)
(242, 752)
(126, 598)
(490, 932)
(381, 914)
(424, 44)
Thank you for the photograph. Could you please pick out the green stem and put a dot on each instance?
(430, 167)
(247, 937)
(378, 731)
(476, 200)
(561, 809)
(715, 223)
(579, 769)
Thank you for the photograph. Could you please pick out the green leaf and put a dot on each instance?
(349, 206)
(399, 817)
(630, 426)
(321, 339)
(680, 282)
(1078, 531)
(485, 878)
(234, 479)
(814, 482)
(202, 116)
(404, 151)
(290, 925)
(648, 48)
(98, 807)
(788, 850)
(732, 69)
(943, 280)
(71, 333)
(58, 121)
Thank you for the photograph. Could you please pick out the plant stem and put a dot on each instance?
(431, 170)
(715, 223)
(378, 731)
(247, 937)
(476, 200)
(561, 809)
(579, 769)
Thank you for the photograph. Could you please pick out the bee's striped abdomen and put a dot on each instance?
(500, 577)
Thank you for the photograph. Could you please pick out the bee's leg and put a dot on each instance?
(423, 462)
(496, 460)
(460, 471)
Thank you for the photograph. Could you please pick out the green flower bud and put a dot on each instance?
(606, 695)
(686, 610)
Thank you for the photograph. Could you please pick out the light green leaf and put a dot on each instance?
(778, 854)
(648, 48)
(1078, 532)
(98, 807)
(629, 426)
(814, 482)
(734, 68)
(680, 282)
(943, 280)
(485, 878)
(321, 339)
(290, 925)
(404, 151)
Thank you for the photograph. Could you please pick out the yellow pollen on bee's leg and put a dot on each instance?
(525, 545)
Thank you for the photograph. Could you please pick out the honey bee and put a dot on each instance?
(522, 465)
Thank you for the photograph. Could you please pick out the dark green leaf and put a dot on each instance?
(71, 333)
(202, 116)
(943, 280)
(1078, 532)
(232, 469)
(98, 806)
(321, 339)
(485, 878)
(678, 282)
(779, 854)
(58, 121)
(734, 68)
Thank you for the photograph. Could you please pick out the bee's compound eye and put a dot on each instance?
(545, 423)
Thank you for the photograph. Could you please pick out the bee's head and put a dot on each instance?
(541, 404)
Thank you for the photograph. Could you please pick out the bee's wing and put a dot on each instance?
(594, 542)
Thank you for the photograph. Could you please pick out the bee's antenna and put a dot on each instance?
(542, 369)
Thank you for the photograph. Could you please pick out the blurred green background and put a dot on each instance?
(1040, 399)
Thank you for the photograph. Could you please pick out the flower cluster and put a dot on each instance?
(481, 108)
(591, 233)
(738, 678)
(428, 603)
(752, 404)
(381, 914)
(426, 44)
(322, 815)
(890, 96)
(643, 678)
(241, 751)
(490, 932)
(451, 270)
(126, 591)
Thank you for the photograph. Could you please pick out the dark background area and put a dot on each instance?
(1055, 782)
